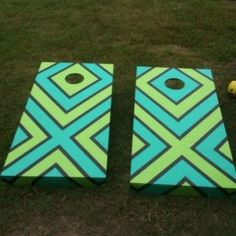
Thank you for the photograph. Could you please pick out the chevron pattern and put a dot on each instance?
(63, 134)
(179, 139)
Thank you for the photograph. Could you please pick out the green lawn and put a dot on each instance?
(127, 33)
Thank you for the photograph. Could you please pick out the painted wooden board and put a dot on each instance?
(180, 144)
(63, 134)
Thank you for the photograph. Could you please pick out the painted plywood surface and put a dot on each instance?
(63, 134)
(180, 143)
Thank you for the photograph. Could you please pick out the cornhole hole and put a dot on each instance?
(180, 144)
(63, 135)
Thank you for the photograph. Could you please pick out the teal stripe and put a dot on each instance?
(20, 137)
(178, 127)
(59, 137)
(155, 147)
(206, 147)
(141, 70)
(66, 102)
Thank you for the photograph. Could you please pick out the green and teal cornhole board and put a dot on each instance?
(180, 144)
(63, 134)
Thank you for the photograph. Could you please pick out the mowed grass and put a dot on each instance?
(198, 34)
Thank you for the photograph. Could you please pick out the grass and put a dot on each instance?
(127, 33)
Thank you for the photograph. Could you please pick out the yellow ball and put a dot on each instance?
(232, 88)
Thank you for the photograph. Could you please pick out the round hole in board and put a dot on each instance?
(174, 83)
(74, 78)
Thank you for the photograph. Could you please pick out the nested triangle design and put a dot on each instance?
(153, 148)
(207, 148)
(101, 138)
(178, 95)
(22, 135)
(66, 96)
(139, 144)
(178, 126)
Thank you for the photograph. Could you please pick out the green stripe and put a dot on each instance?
(65, 118)
(137, 144)
(154, 125)
(177, 149)
(57, 157)
(45, 65)
(176, 110)
(71, 89)
(34, 130)
(108, 67)
(209, 170)
(84, 139)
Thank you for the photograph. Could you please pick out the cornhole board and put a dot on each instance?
(180, 144)
(63, 135)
